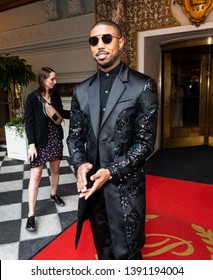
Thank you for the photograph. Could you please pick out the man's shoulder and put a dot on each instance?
(137, 74)
(132, 74)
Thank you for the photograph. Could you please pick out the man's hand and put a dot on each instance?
(81, 176)
(99, 179)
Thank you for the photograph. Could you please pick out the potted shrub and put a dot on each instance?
(15, 75)
(16, 139)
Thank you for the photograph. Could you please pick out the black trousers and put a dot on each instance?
(101, 230)
(100, 227)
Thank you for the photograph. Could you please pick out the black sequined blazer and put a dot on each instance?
(123, 140)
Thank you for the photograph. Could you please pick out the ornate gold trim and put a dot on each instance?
(196, 10)
(134, 16)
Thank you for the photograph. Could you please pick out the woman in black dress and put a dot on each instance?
(44, 139)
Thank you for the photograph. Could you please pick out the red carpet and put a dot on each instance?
(179, 225)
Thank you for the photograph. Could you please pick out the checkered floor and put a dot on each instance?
(16, 243)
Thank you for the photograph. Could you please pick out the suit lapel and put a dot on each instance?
(94, 105)
(117, 90)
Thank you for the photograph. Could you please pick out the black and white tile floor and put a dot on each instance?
(16, 243)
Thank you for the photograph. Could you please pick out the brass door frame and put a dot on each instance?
(210, 102)
(196, 135)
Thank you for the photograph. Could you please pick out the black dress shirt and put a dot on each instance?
(106, 82)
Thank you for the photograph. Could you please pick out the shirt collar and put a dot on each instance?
(111, 73)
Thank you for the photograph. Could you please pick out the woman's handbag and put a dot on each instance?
(50, 111)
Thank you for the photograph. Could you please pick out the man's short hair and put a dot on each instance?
(110, 23)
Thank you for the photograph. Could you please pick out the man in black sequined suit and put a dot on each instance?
(112, 132)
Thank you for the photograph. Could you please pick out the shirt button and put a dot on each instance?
(104, 109)
(106, 91)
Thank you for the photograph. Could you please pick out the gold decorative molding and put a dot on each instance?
(196, 10)
(134, 16)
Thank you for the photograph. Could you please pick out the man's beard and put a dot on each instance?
(109, 63)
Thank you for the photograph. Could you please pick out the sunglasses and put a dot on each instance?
(106, 39)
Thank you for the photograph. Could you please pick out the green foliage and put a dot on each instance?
(14, 70)
(18, 124)
(15, 73)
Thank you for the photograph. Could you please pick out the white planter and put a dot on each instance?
(17, 146)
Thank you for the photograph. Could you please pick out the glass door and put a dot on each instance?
(187, 97)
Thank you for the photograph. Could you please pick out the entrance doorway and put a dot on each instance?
(187, 94)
